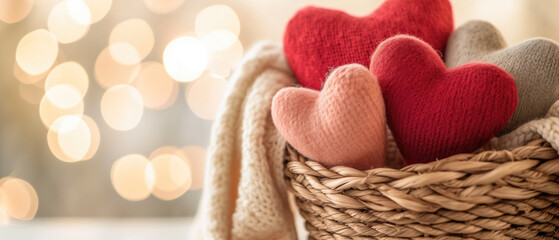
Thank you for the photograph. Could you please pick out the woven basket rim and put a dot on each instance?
(488, 194)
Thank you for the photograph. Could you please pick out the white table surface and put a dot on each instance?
(98, 229)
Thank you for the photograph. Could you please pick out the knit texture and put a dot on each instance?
(546, 128)
(534, 64)
(344, 124)
(262, 208)
(434, 112)
(244, 194)
(317, 40)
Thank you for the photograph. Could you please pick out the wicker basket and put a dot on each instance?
(482, 195)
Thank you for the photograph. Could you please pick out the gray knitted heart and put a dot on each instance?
(533, 63)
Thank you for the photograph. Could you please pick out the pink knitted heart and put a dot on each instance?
(344, 124)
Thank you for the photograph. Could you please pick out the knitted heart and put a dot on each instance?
(344, 124)
(435, 112)
(534, 64)
(318, 39)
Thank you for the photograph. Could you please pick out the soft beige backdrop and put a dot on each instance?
(84, 189)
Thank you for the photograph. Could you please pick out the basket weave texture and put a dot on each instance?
(481, 195)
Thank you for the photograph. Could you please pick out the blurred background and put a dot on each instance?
(106, 106)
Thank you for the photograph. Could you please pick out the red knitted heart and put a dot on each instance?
(435, 112)
(317, 40)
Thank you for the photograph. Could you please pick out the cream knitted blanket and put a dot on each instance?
(244, 193)
(546, 128)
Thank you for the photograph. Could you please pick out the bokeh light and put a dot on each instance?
(157, 88)
(98, 9)
(217, 17)
(31, 93)
(95, 137)
(197, 160)
(37, 51)
(220, 67)
(205, 94)
(131, 41)
(124, 53)
(133, 177)
(194, 156)
(64, 96)
(68, 73)
(185, 59)
(219, 40)
(79, 11)
(109, 72)
(73, 138)
(163, 6)
(49, 112)
(166, 150)
(63, 24)
(27, 78)
(122, 107)
(172, 176)
(4, 218)
(231, 55)
(12, 11)
(77, 138)
(19, 199)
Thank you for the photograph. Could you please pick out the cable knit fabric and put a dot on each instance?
(244, 195)
(435, 112)
(534, 64)
(546, 128)
(344, 124)
(262, 211)
(317, 39)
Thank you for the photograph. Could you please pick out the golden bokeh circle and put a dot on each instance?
(132, 177)
(231, 55)
(64, 96)
(4, 218)
(219, 40)
(131, 41)
(95, 137)
(205, 95)
(77, 138)
(124, 53)
(172, 150)
(19, 198)
(12, 11)
(48, 112)
(98, 8)
(157, 88)
(217, 17)
(163, 6)
(62, 23)
(74, 138)
(197, 162)
(27, 78)
(172, 176)
(185, 59)
(122, 107)
(109, 72)
(37, 51)
(79, 11)
(220, 67)
(70, 73)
